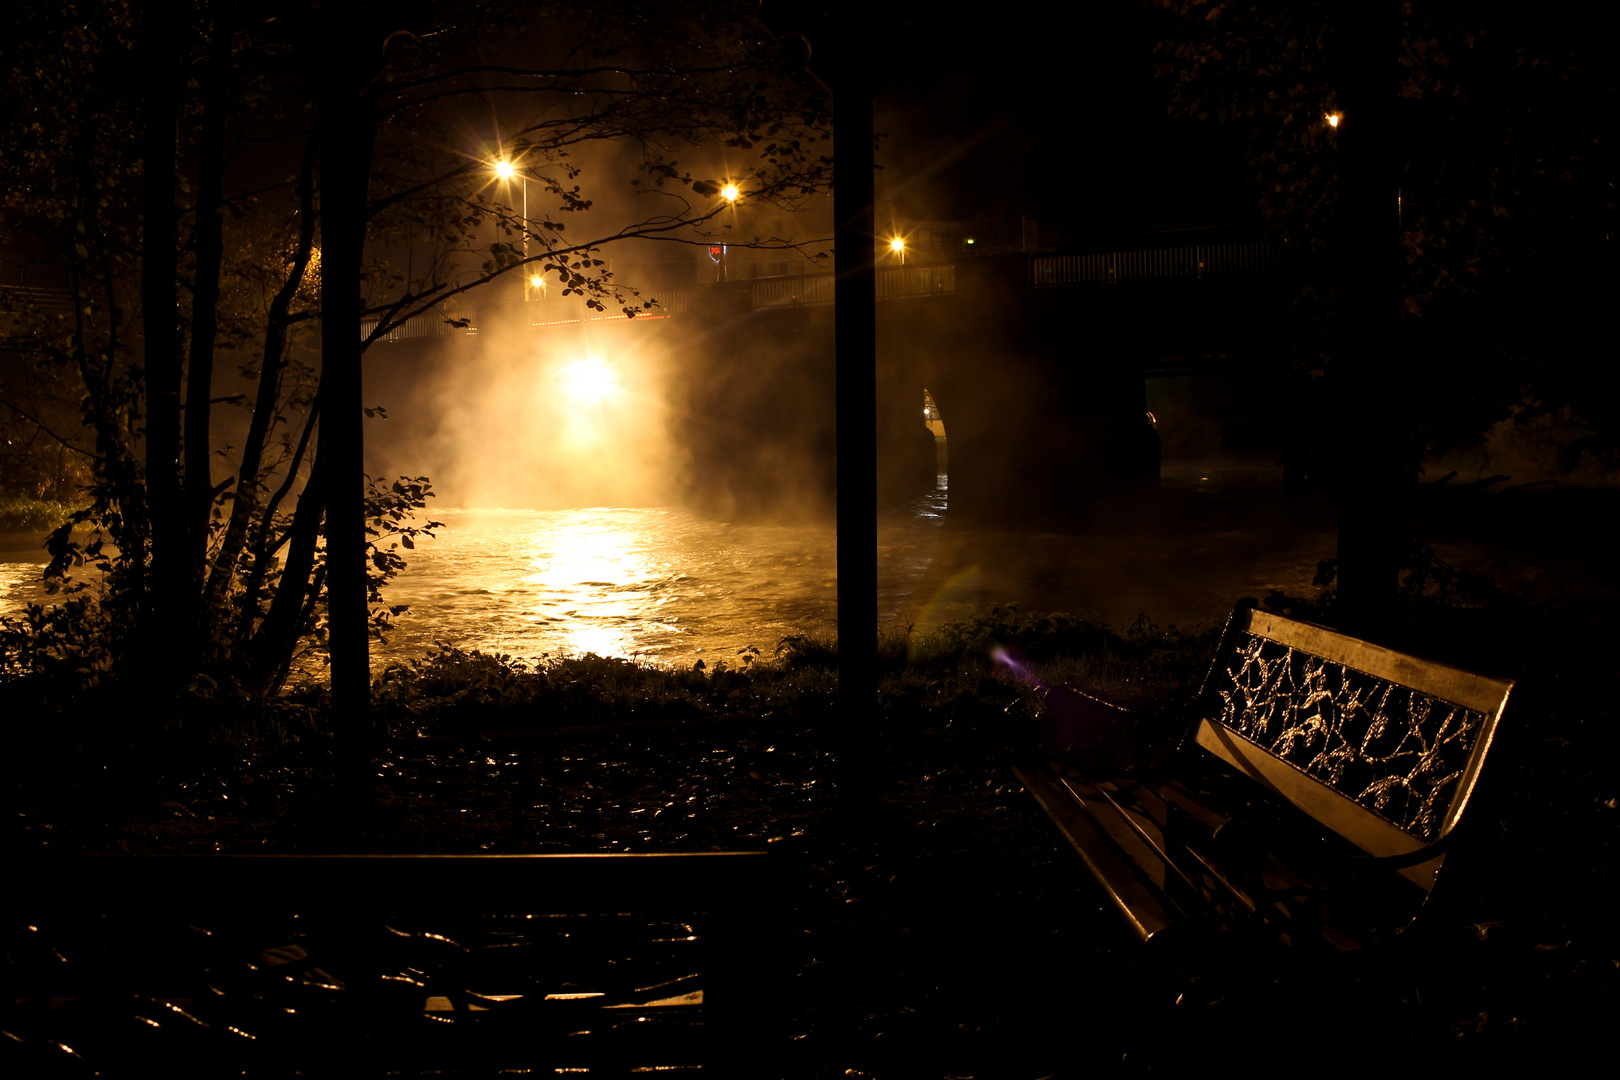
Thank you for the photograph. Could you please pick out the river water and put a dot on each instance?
(664, 586)
(657, 584)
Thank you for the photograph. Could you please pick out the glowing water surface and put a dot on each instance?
(654, 583)
(667, 587)
(657, 584)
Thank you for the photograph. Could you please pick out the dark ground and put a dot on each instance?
(948, 932)
(945, 930)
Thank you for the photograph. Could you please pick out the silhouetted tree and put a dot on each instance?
(1486, 192)
(211, 184)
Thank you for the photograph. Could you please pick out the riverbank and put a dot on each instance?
(943, 928)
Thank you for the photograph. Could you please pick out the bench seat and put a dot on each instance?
(1312, 800)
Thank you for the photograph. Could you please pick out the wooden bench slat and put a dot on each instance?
(1145, 908)
(1380, 751)
(1348, 818)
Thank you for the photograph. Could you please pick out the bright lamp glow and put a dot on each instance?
(1332, 119)
(731, 193)
(536, 281)
(588, 381)
(897, 245)
(505, 169)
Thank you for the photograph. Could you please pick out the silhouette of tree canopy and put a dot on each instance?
(1505, 202)
(198, 181)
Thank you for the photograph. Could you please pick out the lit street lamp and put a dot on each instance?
(506, 170)
(898, 246)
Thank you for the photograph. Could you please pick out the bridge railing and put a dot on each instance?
(906, 282)
(798, 290)
(1197, 261)
(893, 283)
(427, 325)
(45, 301)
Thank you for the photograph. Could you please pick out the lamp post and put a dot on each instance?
(898, 246)
(717, 252)
(506, 170)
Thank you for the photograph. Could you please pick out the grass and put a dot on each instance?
(926, 931)
(990, 668)
(24, 513)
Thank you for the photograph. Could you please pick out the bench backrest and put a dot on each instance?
(1380, 747)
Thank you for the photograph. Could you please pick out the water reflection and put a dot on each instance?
(650, 583)
(666, 587)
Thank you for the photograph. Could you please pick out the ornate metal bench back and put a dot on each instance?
(1402, 739)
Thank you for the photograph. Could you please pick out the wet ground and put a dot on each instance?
(944, 929)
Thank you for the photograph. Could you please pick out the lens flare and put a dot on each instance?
(589, 381)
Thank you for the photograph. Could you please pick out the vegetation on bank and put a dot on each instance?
(992, 664)
(93, 748)
(28, 513)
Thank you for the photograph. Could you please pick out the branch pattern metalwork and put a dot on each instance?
(1395, 751)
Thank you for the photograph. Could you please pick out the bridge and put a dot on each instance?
(1036, 364)
(1216, 258)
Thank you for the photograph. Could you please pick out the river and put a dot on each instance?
(656, 584)
(666, 587)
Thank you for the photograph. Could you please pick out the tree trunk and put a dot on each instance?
(165, 630)
(266, 408)
(210, 233)
(855, 302)
(1373, 477)
(347, 129)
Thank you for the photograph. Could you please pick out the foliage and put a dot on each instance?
(455, 689)
(22, 513)
(1430, 589)
(1505, 197)
(186, 166)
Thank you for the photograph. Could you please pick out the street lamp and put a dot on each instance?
(506, 170)
(898, 246)
(731, 193)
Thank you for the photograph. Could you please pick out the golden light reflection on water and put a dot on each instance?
(654, 584)
(20, 585)
(599, 575)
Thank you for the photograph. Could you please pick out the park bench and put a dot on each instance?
(390, 964)
(1311, 799)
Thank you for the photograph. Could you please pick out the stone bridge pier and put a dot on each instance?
(1043, 391)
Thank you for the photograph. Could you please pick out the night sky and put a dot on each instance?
(1058, 117)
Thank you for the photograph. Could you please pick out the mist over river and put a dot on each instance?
(667, 587)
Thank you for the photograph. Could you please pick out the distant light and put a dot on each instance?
(1332, 119)
(505, 169)
(897, 245)
(731, 193)
(536, 281)
(969, 240)
(589, 381)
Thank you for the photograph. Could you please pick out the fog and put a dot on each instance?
(516, 418)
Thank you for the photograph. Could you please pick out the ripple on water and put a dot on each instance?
(655, 584)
